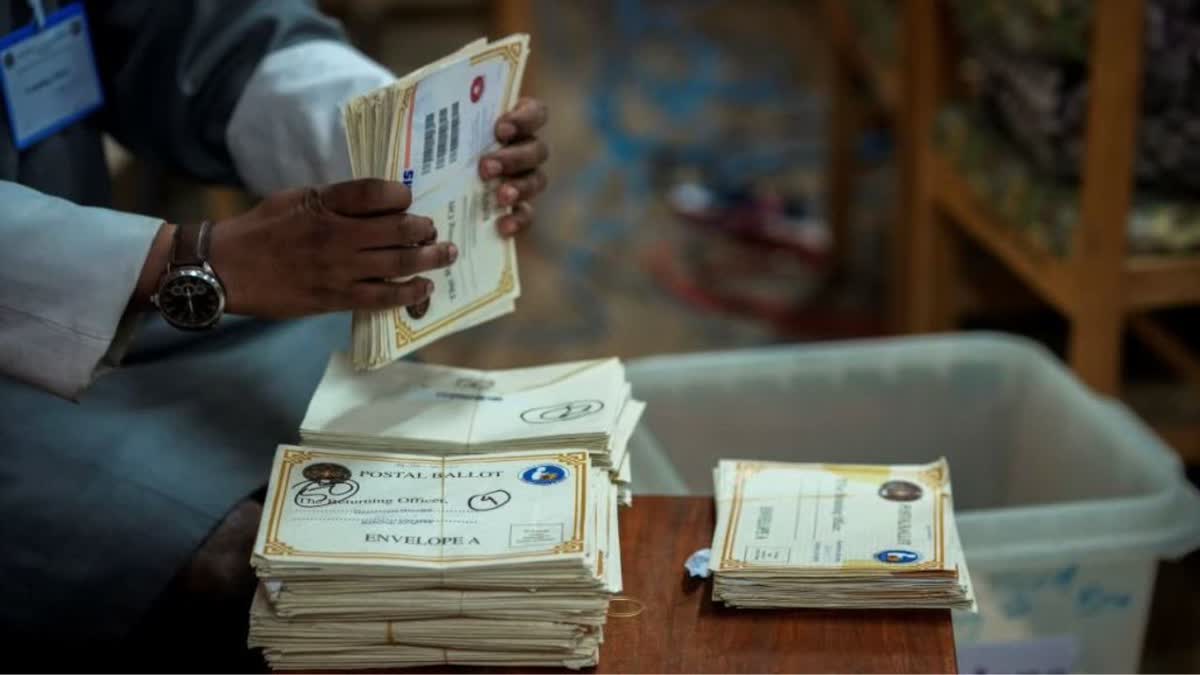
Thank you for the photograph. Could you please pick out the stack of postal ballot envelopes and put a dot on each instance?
(429, 129)
(373, 559)
(437, 515)
(422, 408)
(837, 535)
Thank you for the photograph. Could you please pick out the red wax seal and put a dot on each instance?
(477, 89)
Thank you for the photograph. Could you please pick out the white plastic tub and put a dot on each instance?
(1066, 502)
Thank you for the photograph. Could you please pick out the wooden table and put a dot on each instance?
(682, 631)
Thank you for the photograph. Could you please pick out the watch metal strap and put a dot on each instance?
(191, 244)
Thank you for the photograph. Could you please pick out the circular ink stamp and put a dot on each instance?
(563, 412)
(900, 491)
(327, 472)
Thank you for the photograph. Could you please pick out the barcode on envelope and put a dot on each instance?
(441, 139)
(454, 124)
(427, 155)
(443, 136)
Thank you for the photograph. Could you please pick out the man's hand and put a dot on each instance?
(327, 249)
(518, 163)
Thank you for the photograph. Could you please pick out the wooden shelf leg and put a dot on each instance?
(511, 16)
(1172, 350)
(1094, 351)
(843, 131)
(1100, 243)
(934, 270)
(925, 250)
(516, 16)
(222, 202)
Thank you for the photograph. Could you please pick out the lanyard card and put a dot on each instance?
(48, 75)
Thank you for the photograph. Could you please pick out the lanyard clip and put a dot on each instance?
(39, 13)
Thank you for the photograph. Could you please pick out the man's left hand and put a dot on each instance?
(518, 164)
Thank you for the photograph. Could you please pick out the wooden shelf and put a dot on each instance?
(1045, 274)
(1184, 439)
(1102, 294)
(1151, 282)
(883, 80)
(1158, 282)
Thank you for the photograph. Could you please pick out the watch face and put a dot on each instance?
(191, 299)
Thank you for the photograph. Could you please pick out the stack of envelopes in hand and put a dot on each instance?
(837, 535)
(430, 409)
(429, 130)
(377, 560)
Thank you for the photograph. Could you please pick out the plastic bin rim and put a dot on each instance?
(1005, 341)
(1162, 501)
(1086, 509)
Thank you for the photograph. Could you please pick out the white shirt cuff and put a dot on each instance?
(66, 276)
(286, 130)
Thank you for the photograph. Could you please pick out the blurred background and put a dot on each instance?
(729, 175)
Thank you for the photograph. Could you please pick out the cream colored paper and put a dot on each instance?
(362, 508)
(430, 129)
(430, 409)
(383, 559)
(834, 535)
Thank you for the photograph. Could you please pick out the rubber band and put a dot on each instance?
(639, 607)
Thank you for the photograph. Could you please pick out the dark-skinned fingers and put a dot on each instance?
(402, 262)
(397, 229)
(518, 221)
(362, 197)
(388, 294)
(515, 159)
(519, 188)
(418, 310)
(523, 121)
(281, 202)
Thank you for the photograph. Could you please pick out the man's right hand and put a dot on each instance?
(327, 249)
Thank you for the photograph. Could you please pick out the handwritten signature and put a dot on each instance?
(489, 501)
(315, 493)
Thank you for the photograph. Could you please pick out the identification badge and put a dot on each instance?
(48, 74)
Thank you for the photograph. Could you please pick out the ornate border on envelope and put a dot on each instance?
(934, 477)
(404, 333)
(292, 457)
(406, 105)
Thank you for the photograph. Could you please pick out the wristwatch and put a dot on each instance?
(190, 296)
